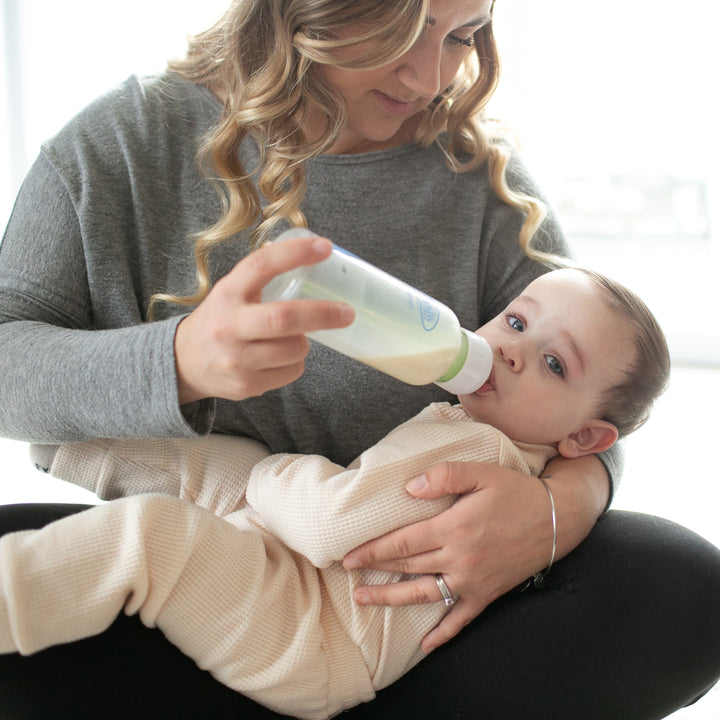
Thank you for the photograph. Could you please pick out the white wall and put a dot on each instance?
(616, 109)
(64, 54)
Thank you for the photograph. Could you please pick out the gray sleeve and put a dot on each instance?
(63, 380)
(62, 386)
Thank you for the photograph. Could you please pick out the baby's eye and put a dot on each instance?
(554, 365)
(516, 323)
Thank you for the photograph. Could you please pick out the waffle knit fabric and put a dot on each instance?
(241, 568)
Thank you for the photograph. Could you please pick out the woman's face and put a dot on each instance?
(383, 105)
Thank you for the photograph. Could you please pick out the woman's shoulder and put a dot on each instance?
(146, 97)
(141, 115)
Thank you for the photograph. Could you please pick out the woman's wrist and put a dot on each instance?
(538, 579)
(580, 489)
(186, 391)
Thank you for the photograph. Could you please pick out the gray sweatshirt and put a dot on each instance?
(105, 219)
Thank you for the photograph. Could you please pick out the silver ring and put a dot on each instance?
(448, 598)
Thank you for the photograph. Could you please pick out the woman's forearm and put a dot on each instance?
(60, 385)
(581, 490)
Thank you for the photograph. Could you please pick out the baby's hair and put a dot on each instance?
(628, 404)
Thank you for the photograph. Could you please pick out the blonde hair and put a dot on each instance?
(627, 405)
(262, 58)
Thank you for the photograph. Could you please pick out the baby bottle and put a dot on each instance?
(397, 329)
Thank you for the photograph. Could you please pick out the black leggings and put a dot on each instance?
(627, 627)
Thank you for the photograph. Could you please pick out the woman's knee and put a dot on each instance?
(33, 516)
(651, 587)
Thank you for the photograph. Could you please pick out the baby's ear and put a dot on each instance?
(593, 437)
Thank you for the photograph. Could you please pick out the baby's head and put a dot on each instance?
(578, 362)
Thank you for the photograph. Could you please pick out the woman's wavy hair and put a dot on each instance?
(262, 58)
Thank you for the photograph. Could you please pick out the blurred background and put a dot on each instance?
(615, 108)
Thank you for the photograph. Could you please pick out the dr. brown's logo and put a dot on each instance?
(429, 315)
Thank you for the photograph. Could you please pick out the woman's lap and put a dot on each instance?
(628, 626)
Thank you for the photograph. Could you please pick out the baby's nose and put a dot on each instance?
(512, 356)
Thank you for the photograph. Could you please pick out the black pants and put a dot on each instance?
(627, 627)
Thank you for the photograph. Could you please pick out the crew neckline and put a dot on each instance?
(366, 157)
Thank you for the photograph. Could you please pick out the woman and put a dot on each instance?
(364, 121)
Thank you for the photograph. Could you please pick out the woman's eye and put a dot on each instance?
(458, 41)
(516, 323)
(554, 365)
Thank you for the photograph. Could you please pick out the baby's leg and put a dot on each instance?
(232, 598)
(211, 471)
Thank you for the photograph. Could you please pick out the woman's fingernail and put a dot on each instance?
(351, 563)
(362, 598)
(416, 484)
(347, 314)
(321, 245)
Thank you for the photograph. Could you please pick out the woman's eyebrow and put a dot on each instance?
(478, 22)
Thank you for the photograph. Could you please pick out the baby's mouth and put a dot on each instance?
(488, 386)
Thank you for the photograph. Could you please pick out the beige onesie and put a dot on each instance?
(240, 569)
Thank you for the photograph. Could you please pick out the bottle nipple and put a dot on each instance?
(475, 370)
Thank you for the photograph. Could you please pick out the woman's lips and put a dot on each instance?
(395, 106)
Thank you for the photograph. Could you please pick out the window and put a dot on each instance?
(617, 116)
(56, 57)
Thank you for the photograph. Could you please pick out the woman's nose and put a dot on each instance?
(420, 69)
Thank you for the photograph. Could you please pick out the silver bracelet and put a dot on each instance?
(538, 579)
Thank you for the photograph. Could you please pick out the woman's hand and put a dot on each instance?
(496, 535)
(232, 346)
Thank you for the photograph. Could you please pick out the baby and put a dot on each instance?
(241, 570)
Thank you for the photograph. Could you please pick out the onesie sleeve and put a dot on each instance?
(323, 510)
